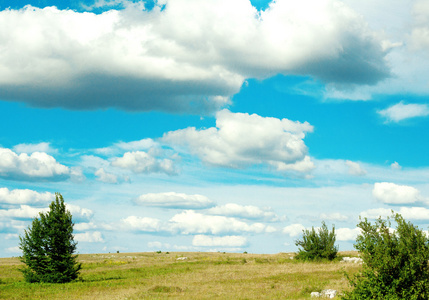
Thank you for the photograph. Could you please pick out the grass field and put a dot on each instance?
(200, 276)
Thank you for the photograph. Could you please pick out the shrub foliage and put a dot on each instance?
(395, 263)
(48, 246)
(317, 245)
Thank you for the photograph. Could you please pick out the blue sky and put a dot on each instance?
(212, 125)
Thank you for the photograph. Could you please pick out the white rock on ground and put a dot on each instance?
(352, 260)
(324, 294)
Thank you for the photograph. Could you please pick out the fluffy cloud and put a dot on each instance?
(409, 213)
(391, 193)
(174, 200)
(141, 224)
(79, 214)
(190, 222)
(192, 55)
(401, 111)
(355, 168)
(420, 33)
(29, 212)
(89, 237)
(143, 162)
(347, 234)
(224, 241)
(333, 217)
(37, 166)
(25, 197)
(240, 140)
(30, 148)
(120, 147)
(106, 177)
(240, 211)
(293, 230)
(23, 212)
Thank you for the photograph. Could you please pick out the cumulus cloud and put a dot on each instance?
(190, 56)
(25, 196)
(347, 234)
(106, 177)
(240, 211)
(190, 222)
(37, 166)
(333, 217)
(79, 214)
(120, 147)
(420, 32)
(224, 241)
(240, 140)
(143, 162)
(401, 111)
(143, 224)
(89, 237)
(395, 166)
(293, 229)
(409, 213)
(355, 168)
(174, 200)
(23, 212)
(84, 226)
(391, 193)
(30, 148)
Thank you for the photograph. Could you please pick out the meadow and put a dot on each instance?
(180, 275)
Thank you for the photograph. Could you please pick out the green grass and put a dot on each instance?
(201, 276)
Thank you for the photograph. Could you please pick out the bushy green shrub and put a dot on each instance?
(317, 245)
(395, 264)
(48, 246)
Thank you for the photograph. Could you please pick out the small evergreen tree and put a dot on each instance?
(317, 245)
(48, 246)
(395, 264)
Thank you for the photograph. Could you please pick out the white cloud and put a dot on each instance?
(141, 224)
(13, 250)
(25, 197)
(11, 236)
(174, 200)
(106, 177)
(347, 234)
(84, 226)
(37, 166)
(89, 237)
(224, 241)
(391, 193)
(120, 147)
(355, 168)
(192, 55)
(190, 222)
(142, 162)
(23, 212)
(408, 213)
(240, 211)
(333, 217)
(395, 166)
(240, 140)
(401, 111)
(293, 230)
(30, 148)
(158, 245)
(79, 213)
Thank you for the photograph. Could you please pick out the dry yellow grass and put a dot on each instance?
(200, 276)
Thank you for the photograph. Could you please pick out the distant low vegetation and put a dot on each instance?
(317, 245)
